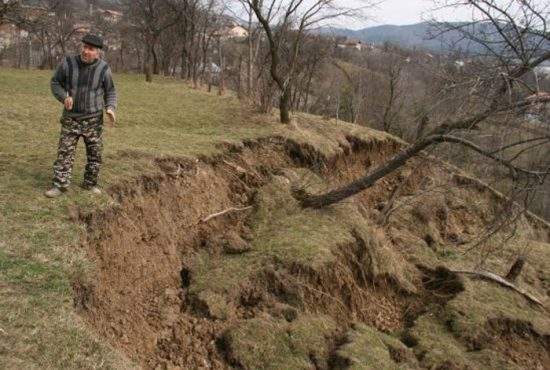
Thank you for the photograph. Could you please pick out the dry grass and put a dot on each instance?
(38, 328)
(384, 351)
(333, 262)
(470, 331)
(277, 344)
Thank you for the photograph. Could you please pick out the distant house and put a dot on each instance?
(10, 33)
(459, 64)
(233, 31)
(540, 96)
(537, 112)
(543, 69)
(82, 28)
(237, 31)
(109, 15)
(348, 43)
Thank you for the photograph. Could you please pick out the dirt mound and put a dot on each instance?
(520, 343)
(212, 263)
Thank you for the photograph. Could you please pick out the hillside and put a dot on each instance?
(155, 274)
(420, 36)
(414, 36)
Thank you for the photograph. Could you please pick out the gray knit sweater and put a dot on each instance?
(90, 85)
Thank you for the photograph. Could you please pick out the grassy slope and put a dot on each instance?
(37, 325)
(37, 237)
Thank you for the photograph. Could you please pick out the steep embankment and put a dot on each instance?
(363, 284)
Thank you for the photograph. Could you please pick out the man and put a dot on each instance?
(84, 84)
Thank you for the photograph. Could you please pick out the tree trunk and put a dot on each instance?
(437, 136)
(18, 52)
(294, 98)
(240, 78)
(153, 53)
(29, 53)
(139, 59)
(166, 64)
(148, 74)
(50, 57)
(284, 105)
(249, 76)
(184, 64)
(221, 75)
(194, 76)
(516, 269)
(121, 56)
(221, 83)
(147, 68)
(365, 182)
(250, 57)
(156, 69)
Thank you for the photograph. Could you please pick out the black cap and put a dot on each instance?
(93, 40)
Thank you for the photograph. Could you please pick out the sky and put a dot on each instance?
(401, 12)
(395, 12)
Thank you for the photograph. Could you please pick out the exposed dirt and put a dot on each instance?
(520, 343)
(145, 295)
(137, 299)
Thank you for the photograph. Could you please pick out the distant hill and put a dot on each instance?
(410, 36)
(420, 35)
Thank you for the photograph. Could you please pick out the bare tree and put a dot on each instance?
(151, 18)
(253, 42)
(316, 52)
(493, 90)
(64, 26)
(285, 23)
(208, 25)
(394, 102)
(53, 23)
(186, 30)
(8, 9)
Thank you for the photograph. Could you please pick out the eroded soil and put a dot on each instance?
(269, 285)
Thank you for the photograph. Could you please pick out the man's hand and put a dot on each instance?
(68, 103)
(111, 115)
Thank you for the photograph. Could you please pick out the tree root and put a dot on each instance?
(228, 210)
(500, 280)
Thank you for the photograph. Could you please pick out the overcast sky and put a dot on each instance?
(399, 12)
(402, 12)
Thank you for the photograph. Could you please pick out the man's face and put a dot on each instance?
(89, 53)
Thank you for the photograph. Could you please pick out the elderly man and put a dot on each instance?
(83, 83)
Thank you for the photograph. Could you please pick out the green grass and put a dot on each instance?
(275, 344)
(38, 240)
(283, 232)
(287, 235)
(377, 355)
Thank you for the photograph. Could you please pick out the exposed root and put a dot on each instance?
(442, 283)
(224, 212)
(500, 280)
(151, 250)
(349, 289)
(519, 342)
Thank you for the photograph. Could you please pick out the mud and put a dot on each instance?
(146, 249)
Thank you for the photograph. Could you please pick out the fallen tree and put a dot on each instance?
(494, 90)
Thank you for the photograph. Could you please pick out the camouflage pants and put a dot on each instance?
(71, 131)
